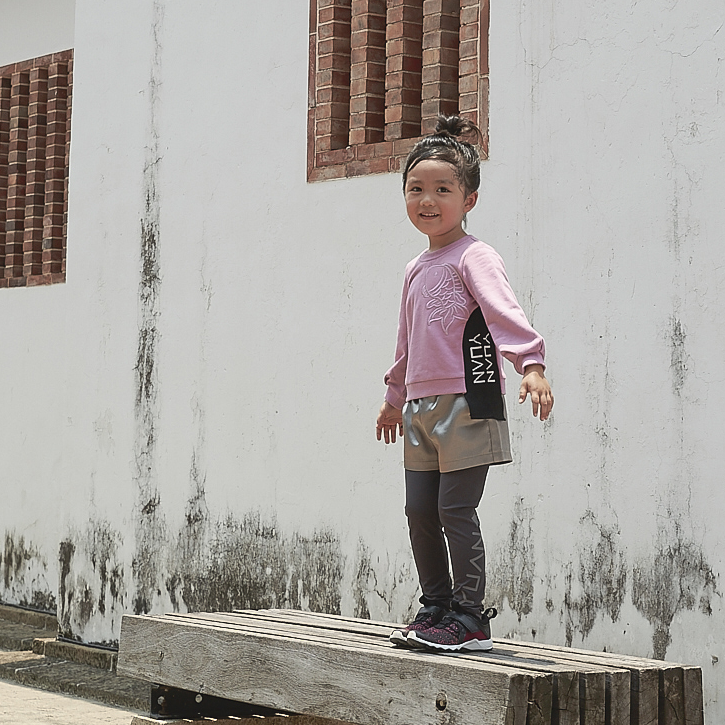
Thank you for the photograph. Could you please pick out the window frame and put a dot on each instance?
(344, 49)
(35, 112)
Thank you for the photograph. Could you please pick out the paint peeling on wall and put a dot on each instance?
(676, 578)
(601, 579)
(511, 575)
(24, 575)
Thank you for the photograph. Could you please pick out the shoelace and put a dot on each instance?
(450, 624)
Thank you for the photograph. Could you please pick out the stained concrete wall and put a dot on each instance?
(192, 413)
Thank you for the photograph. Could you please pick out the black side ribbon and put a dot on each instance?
(483, 377)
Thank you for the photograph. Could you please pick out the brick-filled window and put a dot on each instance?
(380, 73)
(35, 107)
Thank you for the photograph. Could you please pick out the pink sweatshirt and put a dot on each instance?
(440, 291)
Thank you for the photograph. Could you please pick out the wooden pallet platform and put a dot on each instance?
(345, 669)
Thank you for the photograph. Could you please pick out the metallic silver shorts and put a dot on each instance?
(440, 435)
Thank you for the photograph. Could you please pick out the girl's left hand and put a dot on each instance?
(389, 422)
(534, 382)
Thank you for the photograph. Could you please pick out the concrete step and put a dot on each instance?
(71, 678)
(31, 655)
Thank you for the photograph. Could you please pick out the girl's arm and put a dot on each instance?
(390, 418)
(485, 276)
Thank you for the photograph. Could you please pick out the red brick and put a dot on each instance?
(443, 91)
(325, 173)
(367, 86)
(367, 39)
(440, 73)
(468, 84)
(403, 96)
(335, 29)
(407, 13)
(431, 23)
(469, 32)
(441, 39)
(442, 56)
(336, 79)
(468, 48)
(333, 110)
(469, 14)
(334, 45)
(369, 136)
(368, 22)
(369, 166)
(372, 7)
(404, 46)
(468, 66)
(408, 31)
(409, 63)
(364, 104)
(332, 13)
(441, 7)
(339, 156)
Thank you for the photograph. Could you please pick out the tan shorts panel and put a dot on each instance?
(439, 434)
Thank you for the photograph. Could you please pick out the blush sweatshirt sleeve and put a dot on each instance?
(395, 377)
(483, 272)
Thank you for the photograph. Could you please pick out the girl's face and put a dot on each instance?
(436, 202)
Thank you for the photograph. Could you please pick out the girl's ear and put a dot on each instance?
(470, 201)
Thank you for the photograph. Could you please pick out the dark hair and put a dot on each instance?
(452, 142)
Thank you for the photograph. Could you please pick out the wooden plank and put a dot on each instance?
(619, 697)
(694, 714)
(540, 707)
(518, 661)
(295, 635)
(672, 697)
(645, 697)
(566, 699)
(331, 681)
(517, 710)
(545, 683)
(540, 701)
(593, 698)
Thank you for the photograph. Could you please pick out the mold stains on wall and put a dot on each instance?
(250, 564)
(92, 590)
(678, 355)
(363, 581)
(149, 524)
(24, 575)
(511, 576)
(676, 578)
(601, 579)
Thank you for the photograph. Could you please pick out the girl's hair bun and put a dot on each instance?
(454, 142)
(459, 128)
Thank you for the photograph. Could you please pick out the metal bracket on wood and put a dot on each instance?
(172, 702)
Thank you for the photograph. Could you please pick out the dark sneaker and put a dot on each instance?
(427, 616)
(457, 632)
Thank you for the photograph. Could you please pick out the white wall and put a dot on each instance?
(208, 437)
(31, 365)
(32, 28)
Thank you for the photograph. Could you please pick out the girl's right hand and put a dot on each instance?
(389, 423)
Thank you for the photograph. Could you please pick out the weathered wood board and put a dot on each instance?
(345, 669)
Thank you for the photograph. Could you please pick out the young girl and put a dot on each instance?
(458, 317)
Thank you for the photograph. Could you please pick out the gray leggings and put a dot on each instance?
(442, 507)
